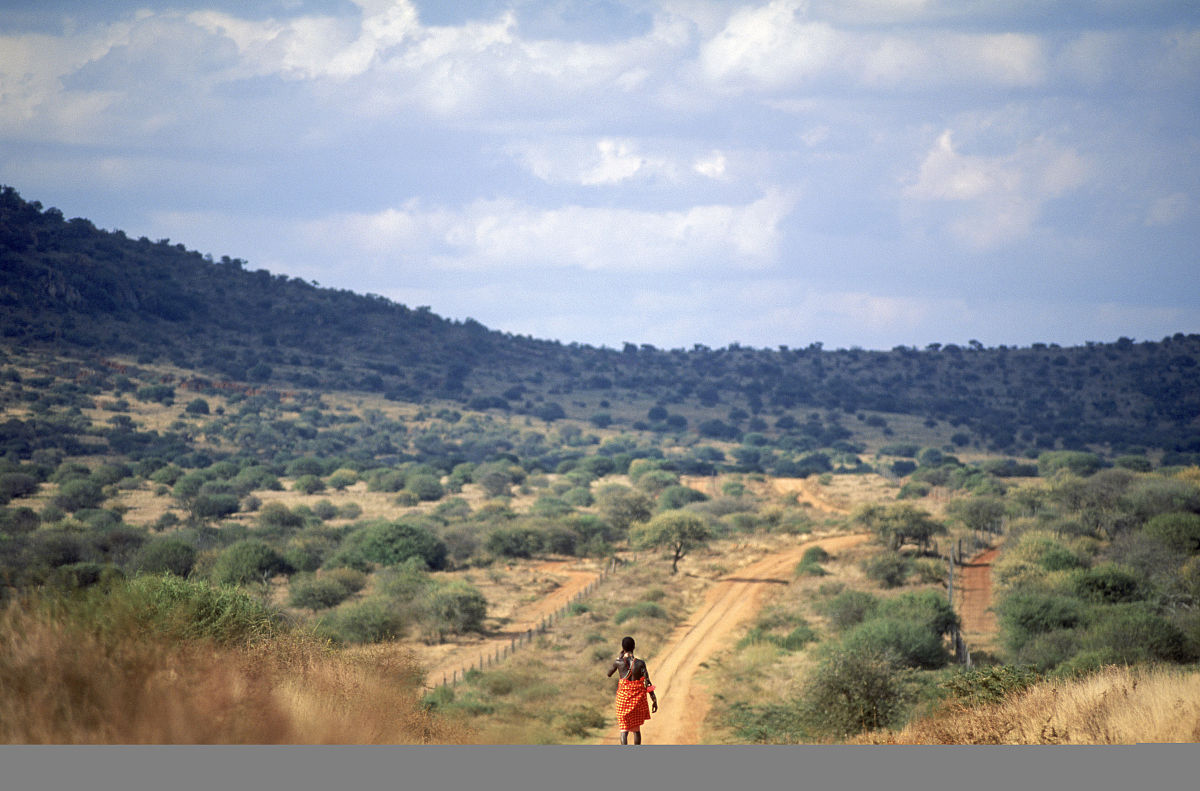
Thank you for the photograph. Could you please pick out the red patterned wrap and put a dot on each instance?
(632, 709)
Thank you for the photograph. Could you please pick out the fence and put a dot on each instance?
(962, 653)
(500, 653)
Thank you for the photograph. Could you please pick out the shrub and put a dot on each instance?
(425, 487)
(1133, 633)
(78, 493)
(679, 496)
(247, 561)
(316, 593)
(18, 521)
(180, 609)
(889, 569)
(850, 692)
(277, 517)
(1025, 615)
(308, 484)
(514, 542)
(849, 608)
(370, 621)
(166, 555)
(930, 609)
(454, 607)
(16, 484)
(1108, 583)
(390, 543)
(214, 506)
(985, 685)
(581, 721)
(910, 643)
(1077, 462)
(643, 609)
(1179, 531)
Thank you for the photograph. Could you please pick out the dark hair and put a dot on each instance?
(626, 643)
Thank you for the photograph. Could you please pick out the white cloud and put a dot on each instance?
(487, 235)
(1168, 210)
(712, 165)
(1003, 194)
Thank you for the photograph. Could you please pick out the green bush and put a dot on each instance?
(18, 521)
(889, 569)
(308, 484)
(678, 497)
(370, 621)
(316, 593)
(426, 487)
(454, 607)
(643, 609)
(248, 561)
(930, 609)
(1024, 615)
(78, 493)
(16, 484)
(179, 609)
(909, 643)
(984, 685)
(1077, 462)
(579, 722)
(514, 542)
(1108, 583)
(1134, 633)
(214, 506)
(166, 555)
(1179, 531)
(848, 608)
(391, 543)
(851, 691)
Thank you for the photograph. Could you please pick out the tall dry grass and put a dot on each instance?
(1117, 705)
(63, 681)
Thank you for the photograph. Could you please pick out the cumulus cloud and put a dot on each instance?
(1003, 194)
(488, 235)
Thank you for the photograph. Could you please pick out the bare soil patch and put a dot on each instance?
(974, 594)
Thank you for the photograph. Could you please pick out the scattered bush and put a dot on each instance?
(248, 561)
(889, 569)
(316, 593)
(166, 555)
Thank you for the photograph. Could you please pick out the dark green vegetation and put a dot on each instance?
(72, 288)
(171, 423)
(1099, 567)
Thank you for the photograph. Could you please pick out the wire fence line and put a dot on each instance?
(493, 657)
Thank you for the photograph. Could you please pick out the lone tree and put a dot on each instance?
(677, 531)
(900, 523)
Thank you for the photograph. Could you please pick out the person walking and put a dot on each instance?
(632, 687)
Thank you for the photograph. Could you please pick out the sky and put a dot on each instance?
(867, 173)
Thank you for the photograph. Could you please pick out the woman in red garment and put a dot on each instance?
(632, 689)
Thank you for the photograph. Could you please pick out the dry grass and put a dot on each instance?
(1117, 705)
(63, 684)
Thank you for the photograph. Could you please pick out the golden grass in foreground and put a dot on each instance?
(62, 684)
(1117, 705)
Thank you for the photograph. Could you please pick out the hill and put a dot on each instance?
(70, 287)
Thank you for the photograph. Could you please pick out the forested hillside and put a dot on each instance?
(67, 286)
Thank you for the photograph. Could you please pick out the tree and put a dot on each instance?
(899, 523)
(981, 514)
(622, 506)
(676, 531)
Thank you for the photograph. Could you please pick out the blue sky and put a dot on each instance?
(856, 172)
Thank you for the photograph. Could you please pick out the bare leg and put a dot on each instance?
(624, 737)
(637, 737)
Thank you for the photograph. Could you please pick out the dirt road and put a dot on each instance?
(529, 617)
(728, 605)
(974, 599)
